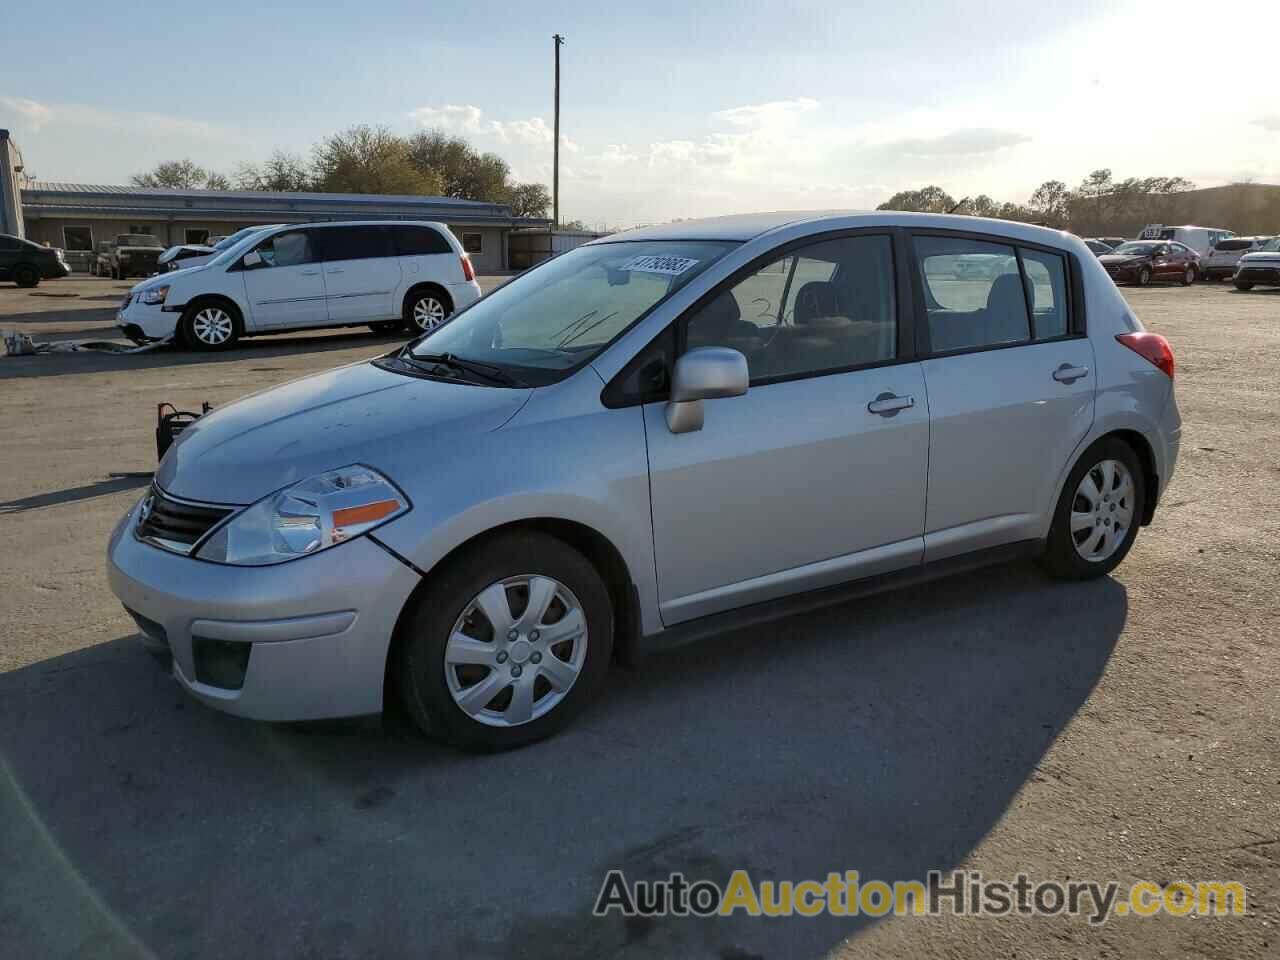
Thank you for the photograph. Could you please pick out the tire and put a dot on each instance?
(1144, 277)
(425, 309)
(209, 325)
(26, 276)
(1189, 277)
(386, 326)
(1243, 285)
(434, 688)
(1094, 549)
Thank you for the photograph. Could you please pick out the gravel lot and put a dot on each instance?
(1124, 729)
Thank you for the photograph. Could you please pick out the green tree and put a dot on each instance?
(930, 199)
(529, 199)
(365, 159)
(463, 172)
(179, 175)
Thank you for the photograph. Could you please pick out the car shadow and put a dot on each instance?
(80, 362)
(114, 483)
(886, 736)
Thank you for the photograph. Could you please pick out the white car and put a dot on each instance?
(383, 274)
(1223, 258)
(1199, 239)
(186, 255)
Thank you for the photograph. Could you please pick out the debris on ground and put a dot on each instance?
(21, 345)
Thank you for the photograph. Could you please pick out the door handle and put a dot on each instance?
(888, 404)
(309, 273)
(1069, 374)
(335, 270)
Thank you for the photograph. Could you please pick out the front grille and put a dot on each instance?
(174, 524)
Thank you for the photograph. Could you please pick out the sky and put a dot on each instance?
(667, 110)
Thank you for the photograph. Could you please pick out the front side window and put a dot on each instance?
(289, 249)
(825, 307)
(562, 313)
(973, 293)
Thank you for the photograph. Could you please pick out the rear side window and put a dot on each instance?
(973, 293)
(413, 241)
(354, 243)
(1047, 291)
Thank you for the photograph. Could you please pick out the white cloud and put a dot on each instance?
(36, 114)
(470, 120)
(971, 142)
(41, 115)
(1269, 123)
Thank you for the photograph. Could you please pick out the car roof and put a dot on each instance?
(748, 226)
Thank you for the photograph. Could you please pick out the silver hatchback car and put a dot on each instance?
(656, 435)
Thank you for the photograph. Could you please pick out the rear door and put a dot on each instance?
(1010, 379)
(361, 273)
(286, 289)
(426, 255)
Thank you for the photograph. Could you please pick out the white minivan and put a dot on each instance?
(1199, 239)
(382, 274)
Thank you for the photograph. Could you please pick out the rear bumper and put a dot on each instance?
(314, 632)
(1218, 272)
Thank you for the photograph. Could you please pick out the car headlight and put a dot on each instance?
(307, 517)
(155, 294)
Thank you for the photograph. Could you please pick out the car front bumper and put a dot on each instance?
(147, 321)
(54, 271)
(317, 629)
(1267, 275)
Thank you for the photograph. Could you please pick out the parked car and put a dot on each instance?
(1111, 242)
(194, 254)
(1141, 261)
(133, 255)
(1199, 239)
(1222, 259)
(1260, 267)
(26, 263)
(100, 261)
(1098, 248)
(383, 274)
(646, 439)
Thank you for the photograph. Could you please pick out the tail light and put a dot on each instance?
(468, 271)
(1151, 347)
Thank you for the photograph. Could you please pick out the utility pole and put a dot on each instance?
(555, 155)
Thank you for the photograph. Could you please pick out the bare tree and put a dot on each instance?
(179, 175)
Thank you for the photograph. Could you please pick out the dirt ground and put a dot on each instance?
(1124, 729)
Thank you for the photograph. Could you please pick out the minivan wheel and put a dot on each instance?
(1098, 513)
(1144, 276)
(26, 276)
(209, 326)
(426, 310)
(507, 643)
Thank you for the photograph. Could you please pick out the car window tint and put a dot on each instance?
(354, 243)
(973, 293)
(1047, 288)
(828, 306)
(414, 241)
(287, 249)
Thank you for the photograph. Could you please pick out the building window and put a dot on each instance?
(139, 228)
(473, 242)
(77, 238)
(196, 236)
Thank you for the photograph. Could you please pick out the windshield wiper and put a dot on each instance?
(585, 330)
(487, 370)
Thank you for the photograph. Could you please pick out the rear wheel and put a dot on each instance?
(1098, 513)
(508, 643)
(26, 276)
(209, 326)
(426, 309)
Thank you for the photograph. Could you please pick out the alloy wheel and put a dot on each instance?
(516, 651)
(212, 326)
(1102, 510)
(428, 313)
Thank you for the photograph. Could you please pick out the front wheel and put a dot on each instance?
(508, 643)
(1144, 277)
(1189, 277)
(209, 326)
(1098, 513)
(25, 276)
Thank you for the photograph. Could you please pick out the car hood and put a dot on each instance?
(183, 248)
(1118, 259)
(354, 414)
(1266, 256)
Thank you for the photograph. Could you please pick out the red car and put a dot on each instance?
(1141, 261)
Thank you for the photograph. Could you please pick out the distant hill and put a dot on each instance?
(1246, 208)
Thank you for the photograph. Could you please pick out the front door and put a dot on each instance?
(1010, 392)
(815, 476)
(286, 288)
(361, 273)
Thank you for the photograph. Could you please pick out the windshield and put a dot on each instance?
(235, 238)
(1137, 249)
(1271, 246)
(561, 314)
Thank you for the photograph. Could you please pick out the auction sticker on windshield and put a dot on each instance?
(669, 266)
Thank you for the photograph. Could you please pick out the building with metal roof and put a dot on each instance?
(77, 216)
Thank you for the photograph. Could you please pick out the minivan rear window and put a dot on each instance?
(416, 241)
(1234, 245)
(353, 243)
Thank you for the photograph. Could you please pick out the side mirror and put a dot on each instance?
(252, 259)
(706, 373)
